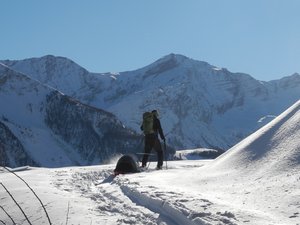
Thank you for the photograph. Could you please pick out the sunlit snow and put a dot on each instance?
(257, 182)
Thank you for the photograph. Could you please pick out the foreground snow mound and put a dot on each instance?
(273, 148)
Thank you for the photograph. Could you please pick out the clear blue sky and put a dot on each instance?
(258, 37)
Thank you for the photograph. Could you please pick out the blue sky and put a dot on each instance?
(258, 37)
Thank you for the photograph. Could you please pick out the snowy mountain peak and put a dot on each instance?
(292, 81)
(58, 72)
(7, 73)
(174, 57)
(296, 75)
(48, 66)
(172, 61)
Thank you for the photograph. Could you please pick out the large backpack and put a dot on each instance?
(148, 123)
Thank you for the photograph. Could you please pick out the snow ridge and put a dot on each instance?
(283, 130)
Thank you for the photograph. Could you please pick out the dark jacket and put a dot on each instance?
(157, 128)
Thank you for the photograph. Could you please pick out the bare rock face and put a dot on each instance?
(40, 126)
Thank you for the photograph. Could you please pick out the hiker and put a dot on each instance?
(151, 128)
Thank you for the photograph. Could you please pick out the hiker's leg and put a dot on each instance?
(147, 150)
(159, 151)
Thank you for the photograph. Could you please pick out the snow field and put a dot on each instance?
(90, 195)
(255, 182)
(133, 203)
(183, 194)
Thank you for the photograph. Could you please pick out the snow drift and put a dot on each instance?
(275, 147)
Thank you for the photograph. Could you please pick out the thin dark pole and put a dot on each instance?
(8, 215)
(67, 219)
(44, 208)
(165, 148)
(16, 203)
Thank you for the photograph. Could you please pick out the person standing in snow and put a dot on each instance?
(151, 127)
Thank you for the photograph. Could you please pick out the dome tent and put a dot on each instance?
(127, 164)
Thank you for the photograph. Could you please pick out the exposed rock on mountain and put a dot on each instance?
(41, 126)
(12, 152)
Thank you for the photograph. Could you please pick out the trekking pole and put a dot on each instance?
(140, 144)
(148, 165)
(165, 148)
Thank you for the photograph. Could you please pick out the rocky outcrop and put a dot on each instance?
(95, 134)
(12, 152)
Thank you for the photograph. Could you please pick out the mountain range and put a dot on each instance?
(200, 105)
(40, 126)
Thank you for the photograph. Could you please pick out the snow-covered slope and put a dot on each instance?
(255, 182)
(61, 74)
(272, 149)
(200, 105)
(40, 126)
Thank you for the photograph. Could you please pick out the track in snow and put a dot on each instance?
(118, 198)
(166, 212)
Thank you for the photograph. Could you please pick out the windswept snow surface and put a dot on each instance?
(257, 182)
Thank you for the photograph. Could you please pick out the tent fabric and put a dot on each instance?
(127, 164)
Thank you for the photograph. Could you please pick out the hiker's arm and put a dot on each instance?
(161, 133)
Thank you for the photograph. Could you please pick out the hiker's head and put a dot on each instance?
(155, 113)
